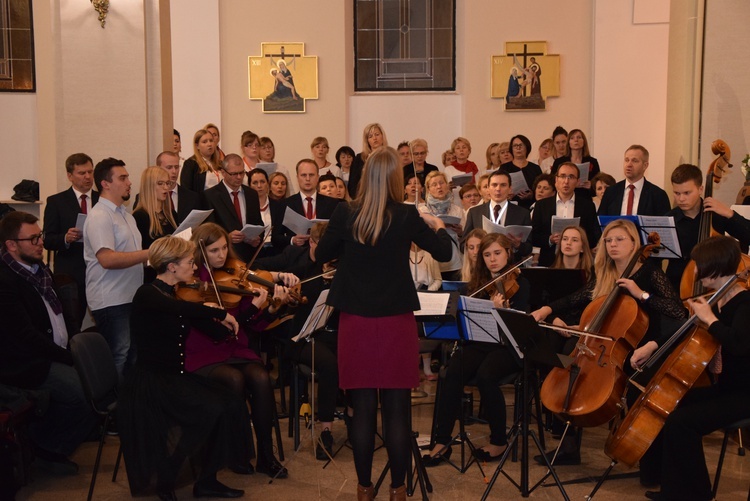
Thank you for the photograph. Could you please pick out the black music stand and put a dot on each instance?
(523, 333)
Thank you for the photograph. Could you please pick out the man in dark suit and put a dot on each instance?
(235, 205)
(60, 232)
(33, 347)
(642, 198)
(566, 204)
(507, 214)
(308, 202)
(183, 200)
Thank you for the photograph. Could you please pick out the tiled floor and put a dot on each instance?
(308, 480)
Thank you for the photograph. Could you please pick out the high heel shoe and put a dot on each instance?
(398, 494)
(430, 461)
(486, 457)
(271, 467)
(365, 493)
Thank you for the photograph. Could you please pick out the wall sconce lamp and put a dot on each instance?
(102, 7)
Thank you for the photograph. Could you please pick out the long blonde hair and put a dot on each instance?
(382, 181)
(467, 268)
(604, 266)
(366, 150)
(148, 202)
(585, 260)
(215, 158)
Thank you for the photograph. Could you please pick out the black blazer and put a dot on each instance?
(324, 207)
(593, 170)
(218, 199)
(191, 177)
(542, 221)
(515, 215)
(186, 201)
(355, 174)
(653, 202)
(27, 346)
(375, 281)
(60, 214)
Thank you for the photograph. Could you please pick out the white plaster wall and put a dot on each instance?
(196, 74)
(726, 101)
(18, 140)
(629, 85)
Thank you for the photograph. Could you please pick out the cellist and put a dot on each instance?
(687, 186)
(648, 285)
(684, 475)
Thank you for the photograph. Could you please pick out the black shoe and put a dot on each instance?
(430, 461)
(272, 468)
(215, 489)
(486, 457)
(562, 459)
(655, 495)
(54, 462)
(324, 449)
(243, 469)
(167, 496)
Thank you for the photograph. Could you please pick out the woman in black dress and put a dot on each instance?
(373, 289)
(166, 414)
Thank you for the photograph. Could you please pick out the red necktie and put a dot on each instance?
(171, 200)
(84, 207)
(497, 214)
(309, 213)
(631, 198)
(237, 209)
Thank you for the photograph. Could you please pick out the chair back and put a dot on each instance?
(96, 368)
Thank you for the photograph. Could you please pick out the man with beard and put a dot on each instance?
(33, 347)
(114, 259)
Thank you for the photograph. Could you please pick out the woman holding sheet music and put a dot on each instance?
(487, 363)
(439, 202)
(577, 151)
(373, 289)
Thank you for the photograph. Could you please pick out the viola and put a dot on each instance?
(588, 391)
(506, 283)
(630, 439)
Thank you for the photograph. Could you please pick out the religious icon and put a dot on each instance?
(522, 88)
(283, 77)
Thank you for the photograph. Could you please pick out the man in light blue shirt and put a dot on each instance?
(114, 259)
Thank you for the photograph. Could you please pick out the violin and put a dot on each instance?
(588, 391)
(506, 283)
(205, 292)
(237, 273)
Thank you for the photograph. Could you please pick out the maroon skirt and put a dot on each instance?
(378, 352)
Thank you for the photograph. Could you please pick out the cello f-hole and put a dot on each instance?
(602, 356)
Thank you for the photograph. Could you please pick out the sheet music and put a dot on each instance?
(193, 220)
(605, 220)
(269, 167)
(432, 303)
(185, 234)
(298, 223)
(560, 223)
(254, 230)
(517, 231)
(461, 180)
(80, 220)
(509, 335)
(317, 318)
(583, 170)
(518, 183)
(477, 320)
(665, 227)
(449, 219)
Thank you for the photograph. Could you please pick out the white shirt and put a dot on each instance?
(503, 212)
(88, 198)
(636, 196)
(57, 321)
(565, 209)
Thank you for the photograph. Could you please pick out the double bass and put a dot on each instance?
(587, 392)
(630, 439)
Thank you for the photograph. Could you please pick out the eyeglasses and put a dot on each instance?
(233, 174)
(34, 239)
(518, 145)
(618, 240)
(419, 153)
(569, 177)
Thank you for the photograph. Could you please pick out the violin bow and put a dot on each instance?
(202, 247)
(575, 332)
(502, 275)
(260, 246)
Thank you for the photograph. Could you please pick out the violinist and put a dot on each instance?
(166, 414)
(487, 363)
(302, 262)
(232, 363)
(647, 284)
(473, 240)
(683, 474)
(687, 186)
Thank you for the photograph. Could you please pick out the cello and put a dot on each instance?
(630, 439)
(587, 392)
